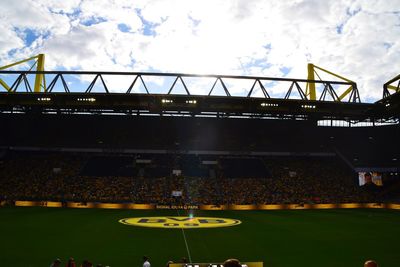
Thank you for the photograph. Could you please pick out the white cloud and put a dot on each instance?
(112, 11)
(59, 6)
(355, 38)
(9, 39)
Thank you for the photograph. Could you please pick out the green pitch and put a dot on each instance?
(33, 237)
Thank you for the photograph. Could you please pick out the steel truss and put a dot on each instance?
(391, 87)
(137, 77)
(21, 83)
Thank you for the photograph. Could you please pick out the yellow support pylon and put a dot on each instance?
(40, 81)
(392, 87)
(310, 87)
(40, 77)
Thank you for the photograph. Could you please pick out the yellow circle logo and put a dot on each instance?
(180, 222)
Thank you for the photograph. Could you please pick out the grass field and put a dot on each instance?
(35, 236)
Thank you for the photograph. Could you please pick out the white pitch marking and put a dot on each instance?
(184, 238)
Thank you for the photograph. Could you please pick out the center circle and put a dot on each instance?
(180, 222)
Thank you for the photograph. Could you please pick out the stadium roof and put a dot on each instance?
(133, 93)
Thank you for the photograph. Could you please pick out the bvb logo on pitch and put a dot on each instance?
(180, 222)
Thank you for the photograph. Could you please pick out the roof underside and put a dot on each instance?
(196, 105)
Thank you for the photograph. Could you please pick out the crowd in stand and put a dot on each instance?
(296, 180)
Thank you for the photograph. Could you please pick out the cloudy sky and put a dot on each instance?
(359, 39)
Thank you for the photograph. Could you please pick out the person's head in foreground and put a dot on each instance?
(370, 263)
(233, 263)
(87, 263)
(71, 262)
(56, 263)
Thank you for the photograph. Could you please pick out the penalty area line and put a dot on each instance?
(186, 244)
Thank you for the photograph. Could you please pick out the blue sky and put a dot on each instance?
(358, 39)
